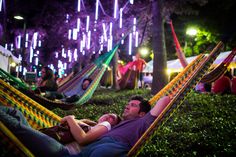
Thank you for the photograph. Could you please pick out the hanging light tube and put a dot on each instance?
(87, 23)
(78, 6)
(130, 43)
(121, 14)
(31, 54)
(115, 9)
(136, 39)
(18, 39)
(26, 39)
(89, 40)
(78, 24)
(75, 32)
(104, 31)
(134, 26)
(69, 34)
(96, 11)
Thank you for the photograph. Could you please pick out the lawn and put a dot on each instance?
(204, 125)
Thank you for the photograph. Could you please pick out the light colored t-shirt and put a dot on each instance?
(75, 148)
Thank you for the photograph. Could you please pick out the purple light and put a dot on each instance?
(78, 7)
(121, 14)
(87, 24)
(115, 9)
(96, 11)
(130, 43)
(56, 56)
(136, 39)
(104, 31)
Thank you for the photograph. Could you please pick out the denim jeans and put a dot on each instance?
(105, 147)
(38, 143)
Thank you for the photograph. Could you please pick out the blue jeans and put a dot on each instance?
(38, 143)
(105, 147)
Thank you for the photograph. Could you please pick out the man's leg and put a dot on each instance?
(38, 143)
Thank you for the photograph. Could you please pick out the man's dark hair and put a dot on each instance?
(144, 104)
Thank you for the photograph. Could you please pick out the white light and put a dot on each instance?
(39, 43)
(130, 43)
(78, 7)
(18, 39)
(96, 12)
(110, 33)
(0, 5)
(121, 12)
(115, 9)
(104, 31)
(134, 26)
(87, 24)
(122, 41)
(18, 17)
(26, 39)
(131, 1)
(69, 34)
(191, 31)
(75, 32)
(75, 54)
(136, 39)
(36, 61)
(31, 53)
(78, 24)
(89, 40)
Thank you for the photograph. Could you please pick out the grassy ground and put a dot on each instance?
(203, 126)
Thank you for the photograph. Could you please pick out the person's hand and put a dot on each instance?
(66, 118)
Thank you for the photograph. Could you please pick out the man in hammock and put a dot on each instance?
(137, 117)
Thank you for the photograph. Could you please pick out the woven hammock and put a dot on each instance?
(219, 70)
(177, 89)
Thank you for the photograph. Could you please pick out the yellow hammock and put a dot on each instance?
(39, 117)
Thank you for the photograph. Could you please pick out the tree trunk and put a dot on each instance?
(159, 49)
(114, 71)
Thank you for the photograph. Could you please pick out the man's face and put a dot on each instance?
(85, 84)
(131, 110)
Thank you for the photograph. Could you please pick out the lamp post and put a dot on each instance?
(22, 48)
(192, 32)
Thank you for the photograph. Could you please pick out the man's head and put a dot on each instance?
(137, 107)
(86, 82)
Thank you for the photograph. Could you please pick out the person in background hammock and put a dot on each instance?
(42, 145)
(46, 81)
(74, 95)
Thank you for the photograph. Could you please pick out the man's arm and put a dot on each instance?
(160, 105)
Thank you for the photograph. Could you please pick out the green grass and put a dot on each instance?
(203, 126)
